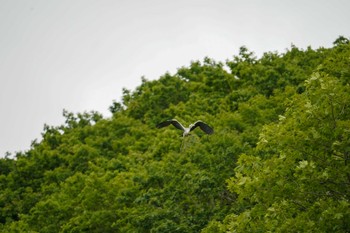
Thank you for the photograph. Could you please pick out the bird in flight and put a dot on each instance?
(186, 131)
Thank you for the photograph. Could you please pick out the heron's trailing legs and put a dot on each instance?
(188, 140)
(182, 144)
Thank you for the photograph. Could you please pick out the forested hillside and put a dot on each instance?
(279, 160)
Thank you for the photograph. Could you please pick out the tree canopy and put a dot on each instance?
(279, 160)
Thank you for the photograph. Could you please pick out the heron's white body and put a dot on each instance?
(187, 131)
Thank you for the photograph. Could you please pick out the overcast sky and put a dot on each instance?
(79, 54)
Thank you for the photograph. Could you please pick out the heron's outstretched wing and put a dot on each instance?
(174, 122)
(203, 126)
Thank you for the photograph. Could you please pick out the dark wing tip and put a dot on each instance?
(163, 124)
(166, 123)
(205, 127)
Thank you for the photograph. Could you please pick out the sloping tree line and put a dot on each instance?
(278, 161)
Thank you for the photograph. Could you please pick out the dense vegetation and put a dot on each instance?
(279, 160)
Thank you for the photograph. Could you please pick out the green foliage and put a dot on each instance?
(277, 162)
(297, 178)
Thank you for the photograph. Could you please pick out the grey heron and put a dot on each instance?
(186, 131)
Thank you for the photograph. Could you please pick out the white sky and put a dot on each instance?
(79, 54)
